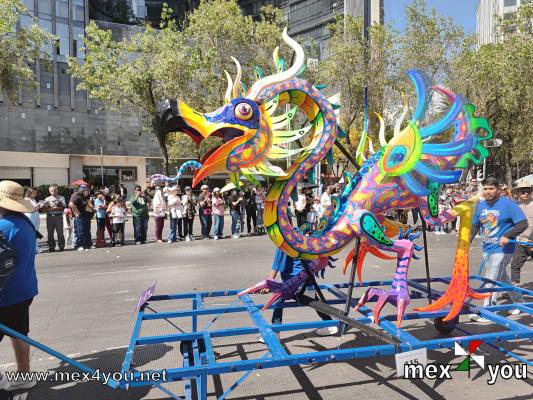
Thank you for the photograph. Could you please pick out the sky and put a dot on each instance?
(463, 12)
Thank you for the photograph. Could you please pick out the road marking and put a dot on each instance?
(138, 270)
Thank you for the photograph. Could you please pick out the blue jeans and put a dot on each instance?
(206, 221)
(235, 222)
(140, 229)
(495, 265)
(175, 226)
(82, 226)
(219, 225)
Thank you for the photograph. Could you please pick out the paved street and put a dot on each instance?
(87, 300)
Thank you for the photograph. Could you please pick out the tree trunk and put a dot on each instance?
(508, 173)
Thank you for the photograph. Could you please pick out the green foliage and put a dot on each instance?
(354, 62)
(19, 46)
(133, 75)
(498, 79)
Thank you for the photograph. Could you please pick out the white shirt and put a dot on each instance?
(300, 204)
(175, 206)
(118, 214)
(325, 201)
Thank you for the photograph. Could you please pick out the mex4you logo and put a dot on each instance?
(416, 367)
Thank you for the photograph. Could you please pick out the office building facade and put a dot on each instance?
(487, 14)
(55, 133)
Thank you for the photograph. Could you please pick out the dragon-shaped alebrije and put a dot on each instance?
(405, 173)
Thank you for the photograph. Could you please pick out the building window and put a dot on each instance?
(47, 26)
(62, 9)
(509, 3)
(45, 8)
(78, 13)
(30, 5)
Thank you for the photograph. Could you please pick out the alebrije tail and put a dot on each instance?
(163, 178)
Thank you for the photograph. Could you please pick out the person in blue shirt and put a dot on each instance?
(21, 286)
(499, 219)
(100, 206)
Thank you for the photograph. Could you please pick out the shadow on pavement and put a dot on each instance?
(105, 361)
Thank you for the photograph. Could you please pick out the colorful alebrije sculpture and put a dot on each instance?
(405, 173)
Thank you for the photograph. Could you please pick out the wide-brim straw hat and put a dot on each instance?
(12, 198)
(522, 185)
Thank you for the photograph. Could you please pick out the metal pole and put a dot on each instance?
(102, 164)
(352, 276)
(426, 256)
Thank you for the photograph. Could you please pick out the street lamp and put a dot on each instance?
(488, 144)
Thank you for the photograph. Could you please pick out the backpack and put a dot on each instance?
(8, 260)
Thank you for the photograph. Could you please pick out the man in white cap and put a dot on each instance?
(522, 253)
(21, 286)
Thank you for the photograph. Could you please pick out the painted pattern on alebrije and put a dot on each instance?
(370, 225)
(433, 198)
(459, 288)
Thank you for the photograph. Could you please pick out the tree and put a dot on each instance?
(133, 75)
(125, 75)
(498, 79)
(251, 42)
(20, 45)
(430, 42)
(355, 61)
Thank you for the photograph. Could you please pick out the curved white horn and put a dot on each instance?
(282, 76)
(237, 83)
(382, 140)
(402, 117)
(227, 96)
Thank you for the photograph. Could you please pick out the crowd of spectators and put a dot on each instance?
(69, 221)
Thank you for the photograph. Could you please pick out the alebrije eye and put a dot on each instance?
(244, 111)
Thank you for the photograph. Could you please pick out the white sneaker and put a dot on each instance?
(192, 237)
(216, 237)
(4, 383)
(187, 239)
(20, 385)
(327, 331)
(478, 318)
(515, 311)
(235, 236)
(80, 249)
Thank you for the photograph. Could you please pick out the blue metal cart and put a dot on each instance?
(200, 359)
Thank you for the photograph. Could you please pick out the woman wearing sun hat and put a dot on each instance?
(21, 287)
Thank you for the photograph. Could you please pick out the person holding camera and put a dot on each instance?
(139, 210)
(83, 210)
(30, 197)
(54, 206)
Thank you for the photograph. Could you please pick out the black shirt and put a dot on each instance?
(232, 199)
(83, 204)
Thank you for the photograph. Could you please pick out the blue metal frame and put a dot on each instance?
(200, 358)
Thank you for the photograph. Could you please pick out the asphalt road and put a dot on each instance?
(86, 305)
